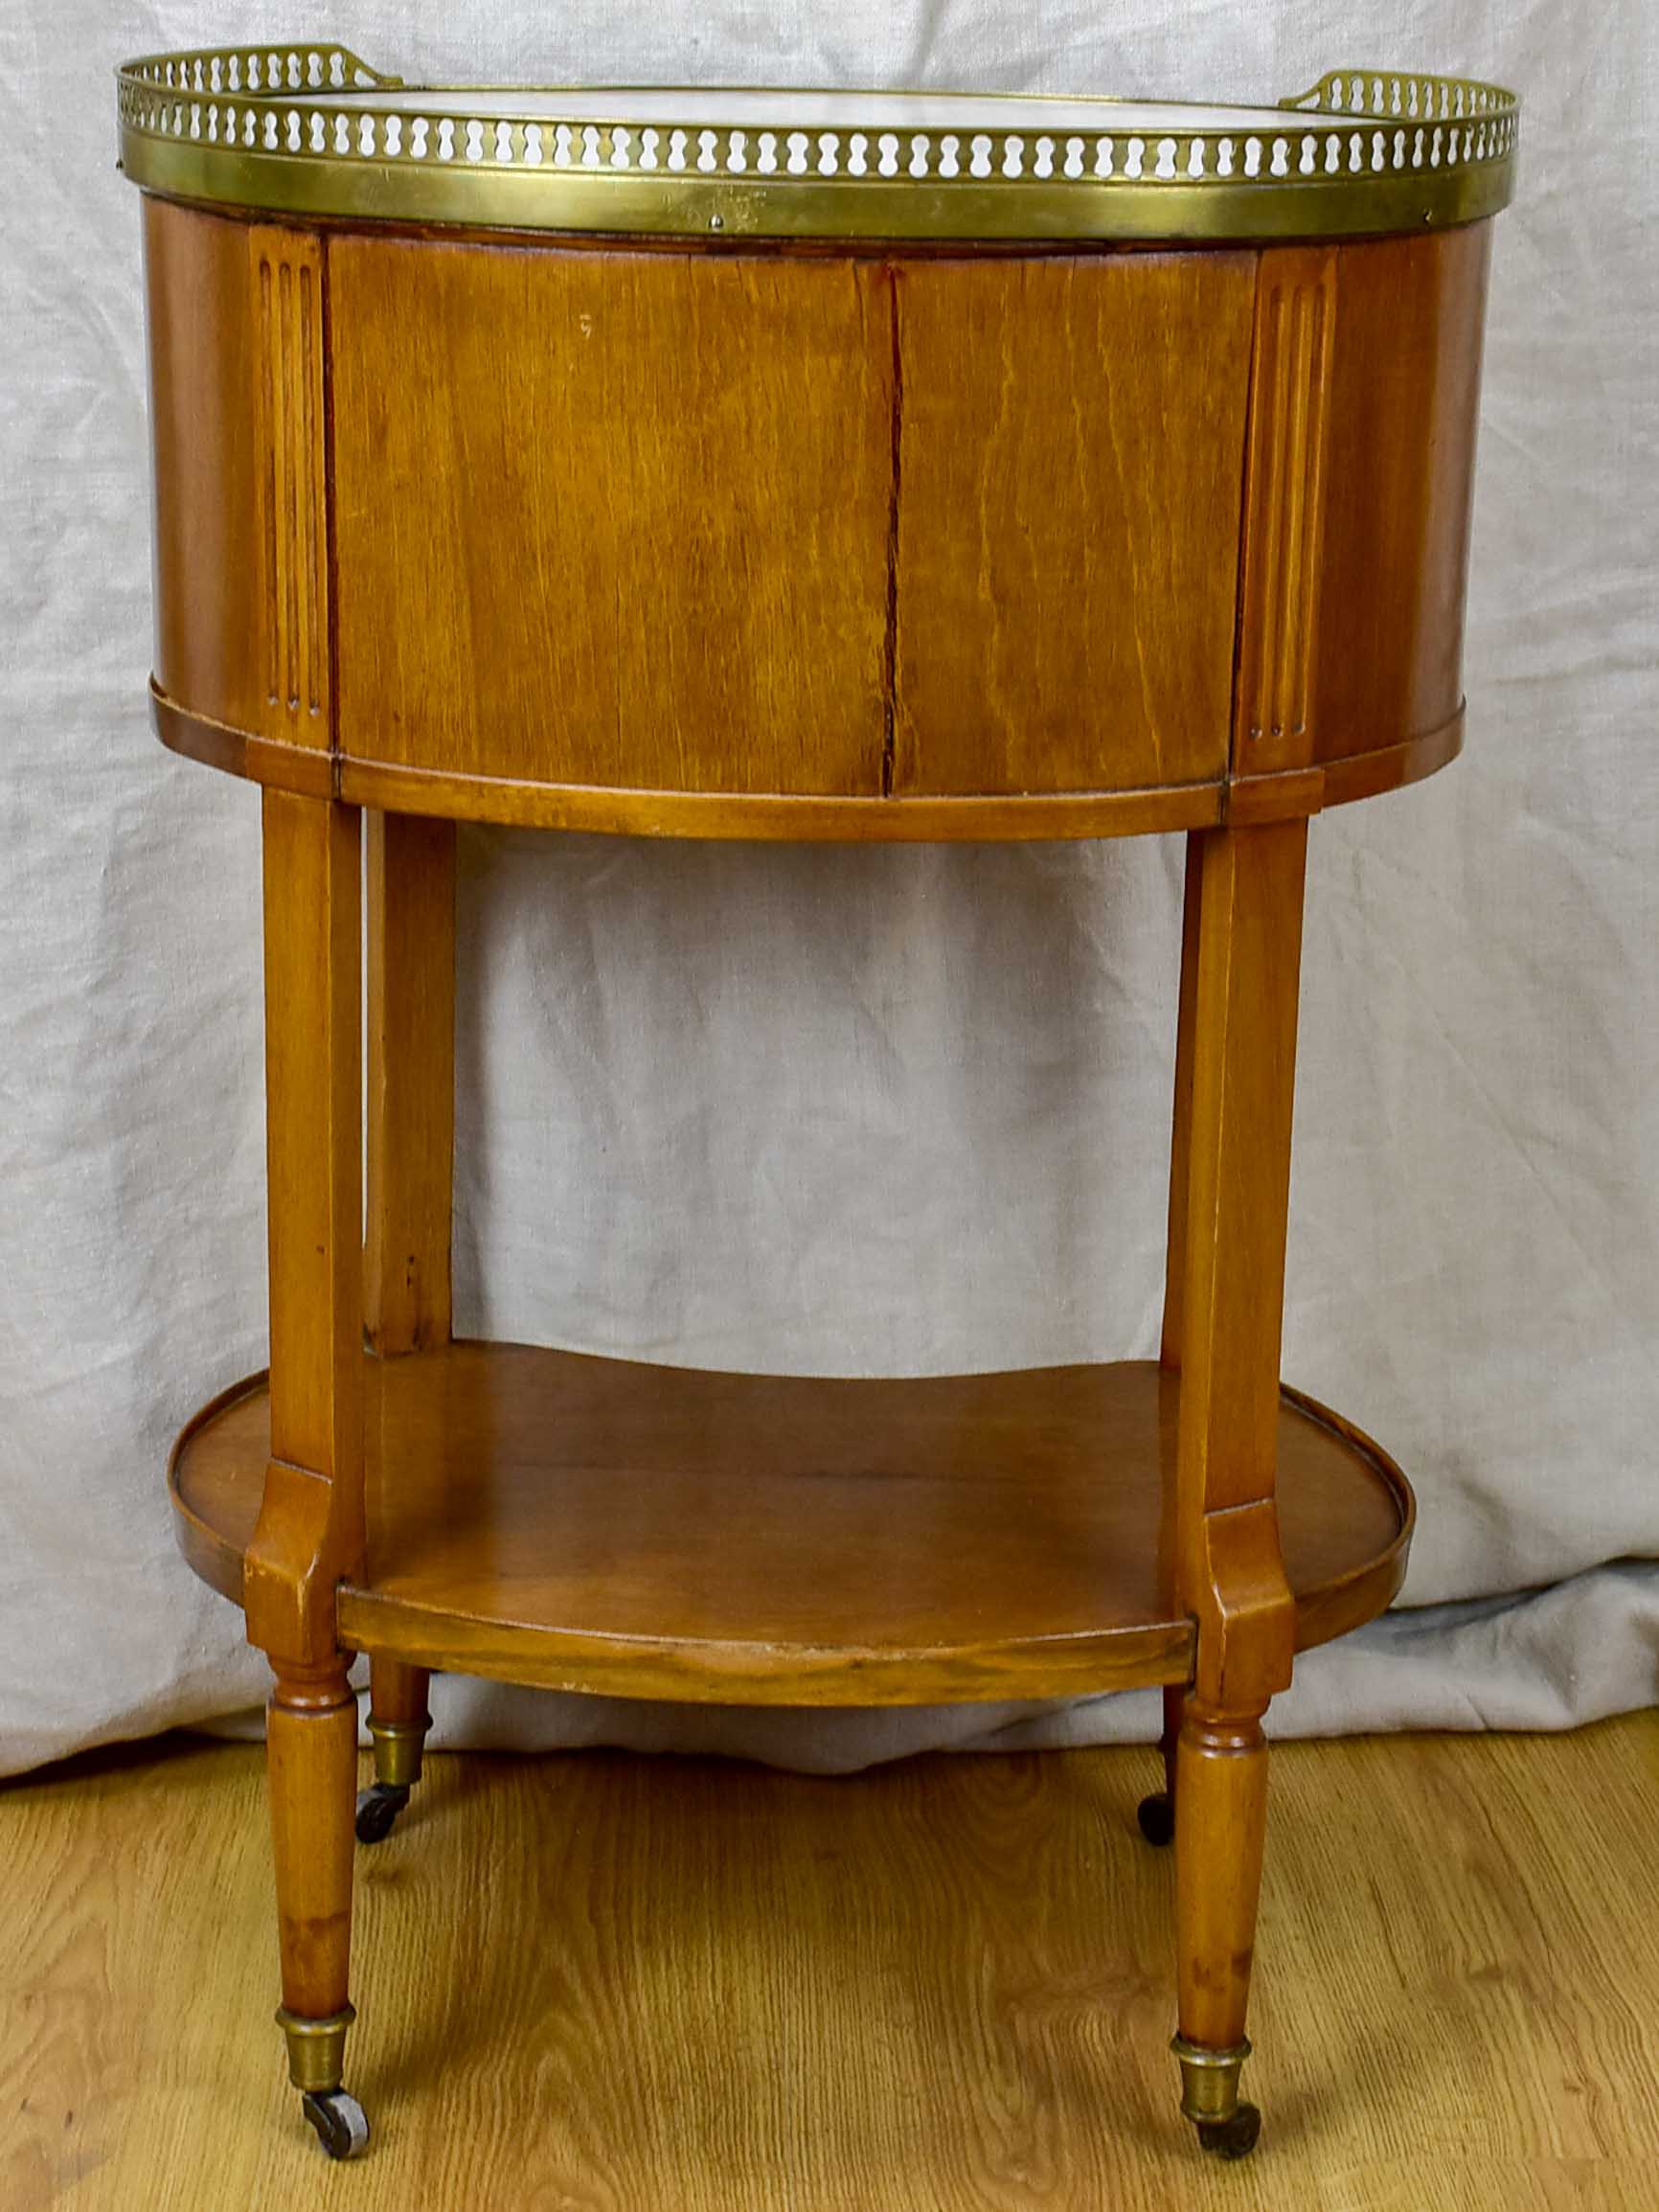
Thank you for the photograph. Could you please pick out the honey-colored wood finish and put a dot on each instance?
(290, 483)
(1406, 366)
(1181, 1113)
(784, 817)
(1174, 1281)
(399, 1693)
(409, 1154)
(241, 598)
(892, 595)
(409, 1147)
(311, 1526)
(308, 1533)
(211, 645)
(663, 1532)
(1284, 525)
(1246, 910)
(829, 542)
(1069, 445)
(1220, 1829)
(939, 1986)
(1249, 913)
(680, 468)
(311, 1761)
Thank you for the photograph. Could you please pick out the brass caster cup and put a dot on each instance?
(316, 2049)
(1209, 2079)
(1210, 2099)
(398, 1746)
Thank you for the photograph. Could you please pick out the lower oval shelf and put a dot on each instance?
(661, 1531)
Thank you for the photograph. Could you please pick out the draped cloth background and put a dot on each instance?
(901, 1110)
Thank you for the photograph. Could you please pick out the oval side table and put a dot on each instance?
(790, 465)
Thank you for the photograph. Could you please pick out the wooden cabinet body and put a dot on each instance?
(733, 544)
(956, 471)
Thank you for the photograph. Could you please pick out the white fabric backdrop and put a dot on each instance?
(898, 1110)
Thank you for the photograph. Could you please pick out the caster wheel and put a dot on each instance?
(341, 2125)
(1157, 1819)
(1233, 2139)
(377, 1809)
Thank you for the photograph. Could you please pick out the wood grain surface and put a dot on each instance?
(409, 1099)
(1248, 912)
(804, 544)
(665, 1532)
(1283, 522)
(684, 1986)
(1011, 817)
(311, 1524)
(205, 411)
(617, 518)
(310, 1768)
(1401, 413)
(1069, 458)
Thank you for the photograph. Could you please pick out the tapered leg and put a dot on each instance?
(410, 1151)
(311, 1761)
(310, 1533)
(1181, 1116)
(410, 916)
(398, 1724)
(1245, 913)
(1156, 1814)
(1220, 1816)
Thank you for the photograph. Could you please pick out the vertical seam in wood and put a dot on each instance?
(890, 648)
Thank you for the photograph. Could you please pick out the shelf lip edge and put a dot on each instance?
(1038, 1670)
(1031, 1666)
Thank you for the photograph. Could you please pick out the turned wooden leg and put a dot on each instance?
(1239, 994)
(1156, 1813)
(410, 1152)
(398, 1725)
(311, 1761)
(310, 1533)
(1221, 1815)
(410, 1147)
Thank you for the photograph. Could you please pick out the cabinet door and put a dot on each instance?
(612, 518)
(1070, 471)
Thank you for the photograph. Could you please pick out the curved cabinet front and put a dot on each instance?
(791, 541)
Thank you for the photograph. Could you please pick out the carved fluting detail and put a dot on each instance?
(293, 532)
(1285, 509)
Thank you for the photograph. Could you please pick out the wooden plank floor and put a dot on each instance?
(623, 1985)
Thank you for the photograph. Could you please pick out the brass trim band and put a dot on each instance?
(399, 1749)
(316, 2049)
(1209, 2079)
(290, 132)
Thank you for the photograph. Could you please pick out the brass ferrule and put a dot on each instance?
(316, 2049)
(1209, 2079)
(398, 1748)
